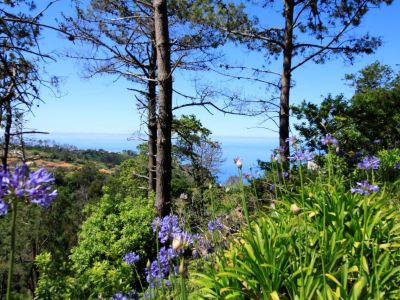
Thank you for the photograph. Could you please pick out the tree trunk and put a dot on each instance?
(7, 135)
(152, 120)
(164, 76)
(285, 79)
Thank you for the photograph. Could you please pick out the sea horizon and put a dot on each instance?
(248, 148)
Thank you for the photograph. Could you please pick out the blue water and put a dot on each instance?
(249, 149)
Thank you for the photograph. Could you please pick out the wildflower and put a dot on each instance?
(369, 162)
(215, 225)
(329, 140)
(271, 187)
(238, 162)
(300, 155)
(397, 166)
(294, 209)
(130, 258)
(364, 188)
(183, 196)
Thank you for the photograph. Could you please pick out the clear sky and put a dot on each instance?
(103, 105)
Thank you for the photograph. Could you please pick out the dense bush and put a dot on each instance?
(119, 223)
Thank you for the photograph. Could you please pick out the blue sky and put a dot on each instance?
(103, 105)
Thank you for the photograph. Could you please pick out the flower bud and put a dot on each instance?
(177, 243)
(238, 162)
(182, 266)
(295, 209)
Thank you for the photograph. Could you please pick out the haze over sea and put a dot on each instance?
(249, 149)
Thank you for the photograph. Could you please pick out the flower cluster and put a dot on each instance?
(364, 188)
(129, 296)
(300, 155)
(166, 227)
(369, 162)
(215, 225)
(168, 231)
(329, 140)
(22, 184)
(130, 258)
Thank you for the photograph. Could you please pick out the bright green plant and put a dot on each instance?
(333, 244)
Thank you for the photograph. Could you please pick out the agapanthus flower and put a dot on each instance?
(168, 226)
(329, 140)
(369, 162)
(364, 188)
(129, 296)
(300, 155)
(35, 186)
(215, 225)
(130, 258)
(159, 269)
(181, 241)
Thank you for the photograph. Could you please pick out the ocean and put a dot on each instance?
(249, 149)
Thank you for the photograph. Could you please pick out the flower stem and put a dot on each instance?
(244, 203)
(12, 253)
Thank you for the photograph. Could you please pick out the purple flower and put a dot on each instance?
(271, 187)
(181, 241)
(397, 166)
(215, 225)
(329, 140)
(166, 227)
(3, 208)
(300, 155)
(120, 296)
(369, 162)
(364, 188)
(159, 268)
(21, 184)
(130, 258)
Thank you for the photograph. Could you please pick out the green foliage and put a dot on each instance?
(196, 152)
(340, 246)
(368, 122)
(118, 224)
